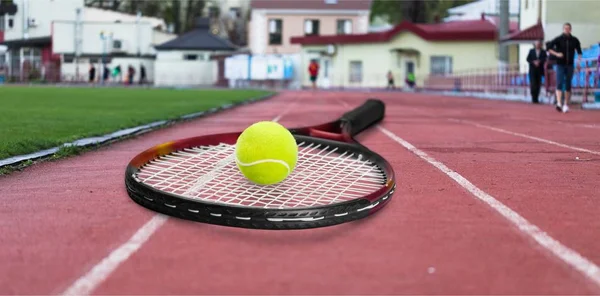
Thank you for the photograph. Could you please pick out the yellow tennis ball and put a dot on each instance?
(266, 153)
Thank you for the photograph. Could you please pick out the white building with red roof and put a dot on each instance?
(273, 23)
(363, 60)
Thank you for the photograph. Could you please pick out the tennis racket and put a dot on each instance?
(336, 179)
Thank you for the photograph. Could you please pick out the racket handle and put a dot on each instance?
(364, 116)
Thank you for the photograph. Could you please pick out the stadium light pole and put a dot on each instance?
(104, 36)
(77, 41)
(504, 30)
(139, 41)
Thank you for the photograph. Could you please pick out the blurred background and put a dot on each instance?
(437, 45)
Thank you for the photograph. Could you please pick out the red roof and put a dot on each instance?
(311, 4)
(471, 30)
(535, 32)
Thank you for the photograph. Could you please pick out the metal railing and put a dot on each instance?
(514, 79)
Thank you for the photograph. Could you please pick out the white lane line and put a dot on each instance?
(567, 255)
(527, 136)
(570, 257)
(285, 111)
(588, 125)
(87, 283)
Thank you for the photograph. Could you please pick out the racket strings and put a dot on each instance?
(322, 176)
(171, 165)
(276, 190)
(303, 179)
(332, 169)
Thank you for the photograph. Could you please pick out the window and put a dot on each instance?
(117, 43)
(234, 12)
(355, 71)
(190, 57)
(311, 27)
(275, 32)
(331, 1)
(441, 65)
(11, 23)
(344, 27)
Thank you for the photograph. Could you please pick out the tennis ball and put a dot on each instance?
(266, 153)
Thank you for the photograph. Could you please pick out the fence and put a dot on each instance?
(514, 79)
(52, 72)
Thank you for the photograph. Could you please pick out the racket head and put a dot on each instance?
(336, 180)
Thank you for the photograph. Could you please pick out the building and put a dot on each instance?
(544, 19)
(57, 40)
(273, 23)
(363, 60)
(188, 59)
(489, 8)
(7, 11)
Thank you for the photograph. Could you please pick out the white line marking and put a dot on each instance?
(85, 284)
(290, 106)
(527, 136)
(567, 255)
(589, 125)
(101, 271)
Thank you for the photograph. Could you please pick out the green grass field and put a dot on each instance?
(35, 118)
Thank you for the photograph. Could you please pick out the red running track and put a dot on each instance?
(60, 219)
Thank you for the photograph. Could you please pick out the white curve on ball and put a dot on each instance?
(263, 161)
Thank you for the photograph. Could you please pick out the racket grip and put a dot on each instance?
(364, 116)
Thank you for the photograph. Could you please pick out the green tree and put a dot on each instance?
(416, 11)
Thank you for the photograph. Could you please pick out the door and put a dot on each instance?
(409, 68)
(221, 80)
(326, 72)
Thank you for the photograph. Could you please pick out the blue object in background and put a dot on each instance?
(249, 67)
(288, 68)
(2, 79)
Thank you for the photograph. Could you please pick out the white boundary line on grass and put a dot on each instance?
(88, 282)
(567, 255)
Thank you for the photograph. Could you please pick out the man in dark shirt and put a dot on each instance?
(537, 61)
(563, 48)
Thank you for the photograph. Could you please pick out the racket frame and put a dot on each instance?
(339, 134)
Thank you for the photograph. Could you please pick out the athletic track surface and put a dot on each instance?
(491, 200)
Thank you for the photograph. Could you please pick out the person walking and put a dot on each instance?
(537, 61)
(390, 79)
(563, 48)
(313, 71)
(142, 74)
(92, 73)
